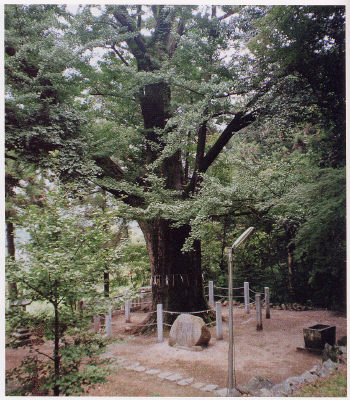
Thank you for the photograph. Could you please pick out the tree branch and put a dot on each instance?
(239, 122)
(109, 167)
(119, 54)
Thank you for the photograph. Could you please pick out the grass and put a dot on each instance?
(332, 386)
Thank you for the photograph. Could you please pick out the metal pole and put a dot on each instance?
(231, 382)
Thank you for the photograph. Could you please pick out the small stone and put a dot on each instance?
(209, 388)
(343, 349)
(140, 368)
(307, 377)
(185, 382)
(255, 384)
(174, 377)
(222, 392)
(315, 369)
(165, 374)
(329, 364)
(121, 359)
(152, 371)
(132, 366)
(198, 385)
(265, 392)
(107, 355)
(342, 341)
(293, 380)
(323, 372)
(281, 389)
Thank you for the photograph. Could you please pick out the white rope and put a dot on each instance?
(187, 312)
(137, 325)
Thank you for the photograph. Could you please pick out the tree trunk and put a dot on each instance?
(56, 389)
(290, 261)
(176, 276)
(11, 251)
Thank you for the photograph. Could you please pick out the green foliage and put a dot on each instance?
(153, 119)
(134, 267)
(63, 263)
(34, 376)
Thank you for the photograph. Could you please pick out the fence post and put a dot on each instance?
(96, 323)
(127, 311)
(218, 321)
(108, 324)
(160, 322)
(211, 294)
(258, 312)
(267, 301)
(246, 298)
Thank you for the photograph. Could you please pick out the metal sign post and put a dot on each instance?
(238, 242)
(231, 382)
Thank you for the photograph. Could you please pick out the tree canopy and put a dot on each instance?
(189, 115)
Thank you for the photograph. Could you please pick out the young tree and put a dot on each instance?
(64, 263)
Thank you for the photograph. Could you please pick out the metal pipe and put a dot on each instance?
(231, 383)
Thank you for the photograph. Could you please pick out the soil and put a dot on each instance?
(271, 352)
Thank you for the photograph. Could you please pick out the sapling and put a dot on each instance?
(63, 264)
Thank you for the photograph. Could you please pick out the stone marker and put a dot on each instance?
(188, 330)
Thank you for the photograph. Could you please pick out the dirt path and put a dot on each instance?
(270, 352)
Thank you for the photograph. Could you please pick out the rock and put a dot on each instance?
(329, 364)
(208, 388)
(108, 355)
(255, 384)
(192, 348)
(307, 377)
(174, 377)
(165, 374)
(293, 381)
(223, 392)
(132, 366)
(152, 371)
(342, 341)
(265, 393)
(185, 382)
(139, 368)
(198, 385)
(323, 372)
(331, 352)
(315, 369)
(281, 389)
(188, 330)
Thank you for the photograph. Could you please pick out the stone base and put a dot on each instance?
(189, 348)
(309, 350)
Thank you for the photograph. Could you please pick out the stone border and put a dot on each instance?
(117, 361)
(257, 386)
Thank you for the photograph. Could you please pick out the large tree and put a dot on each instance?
(168, 102)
